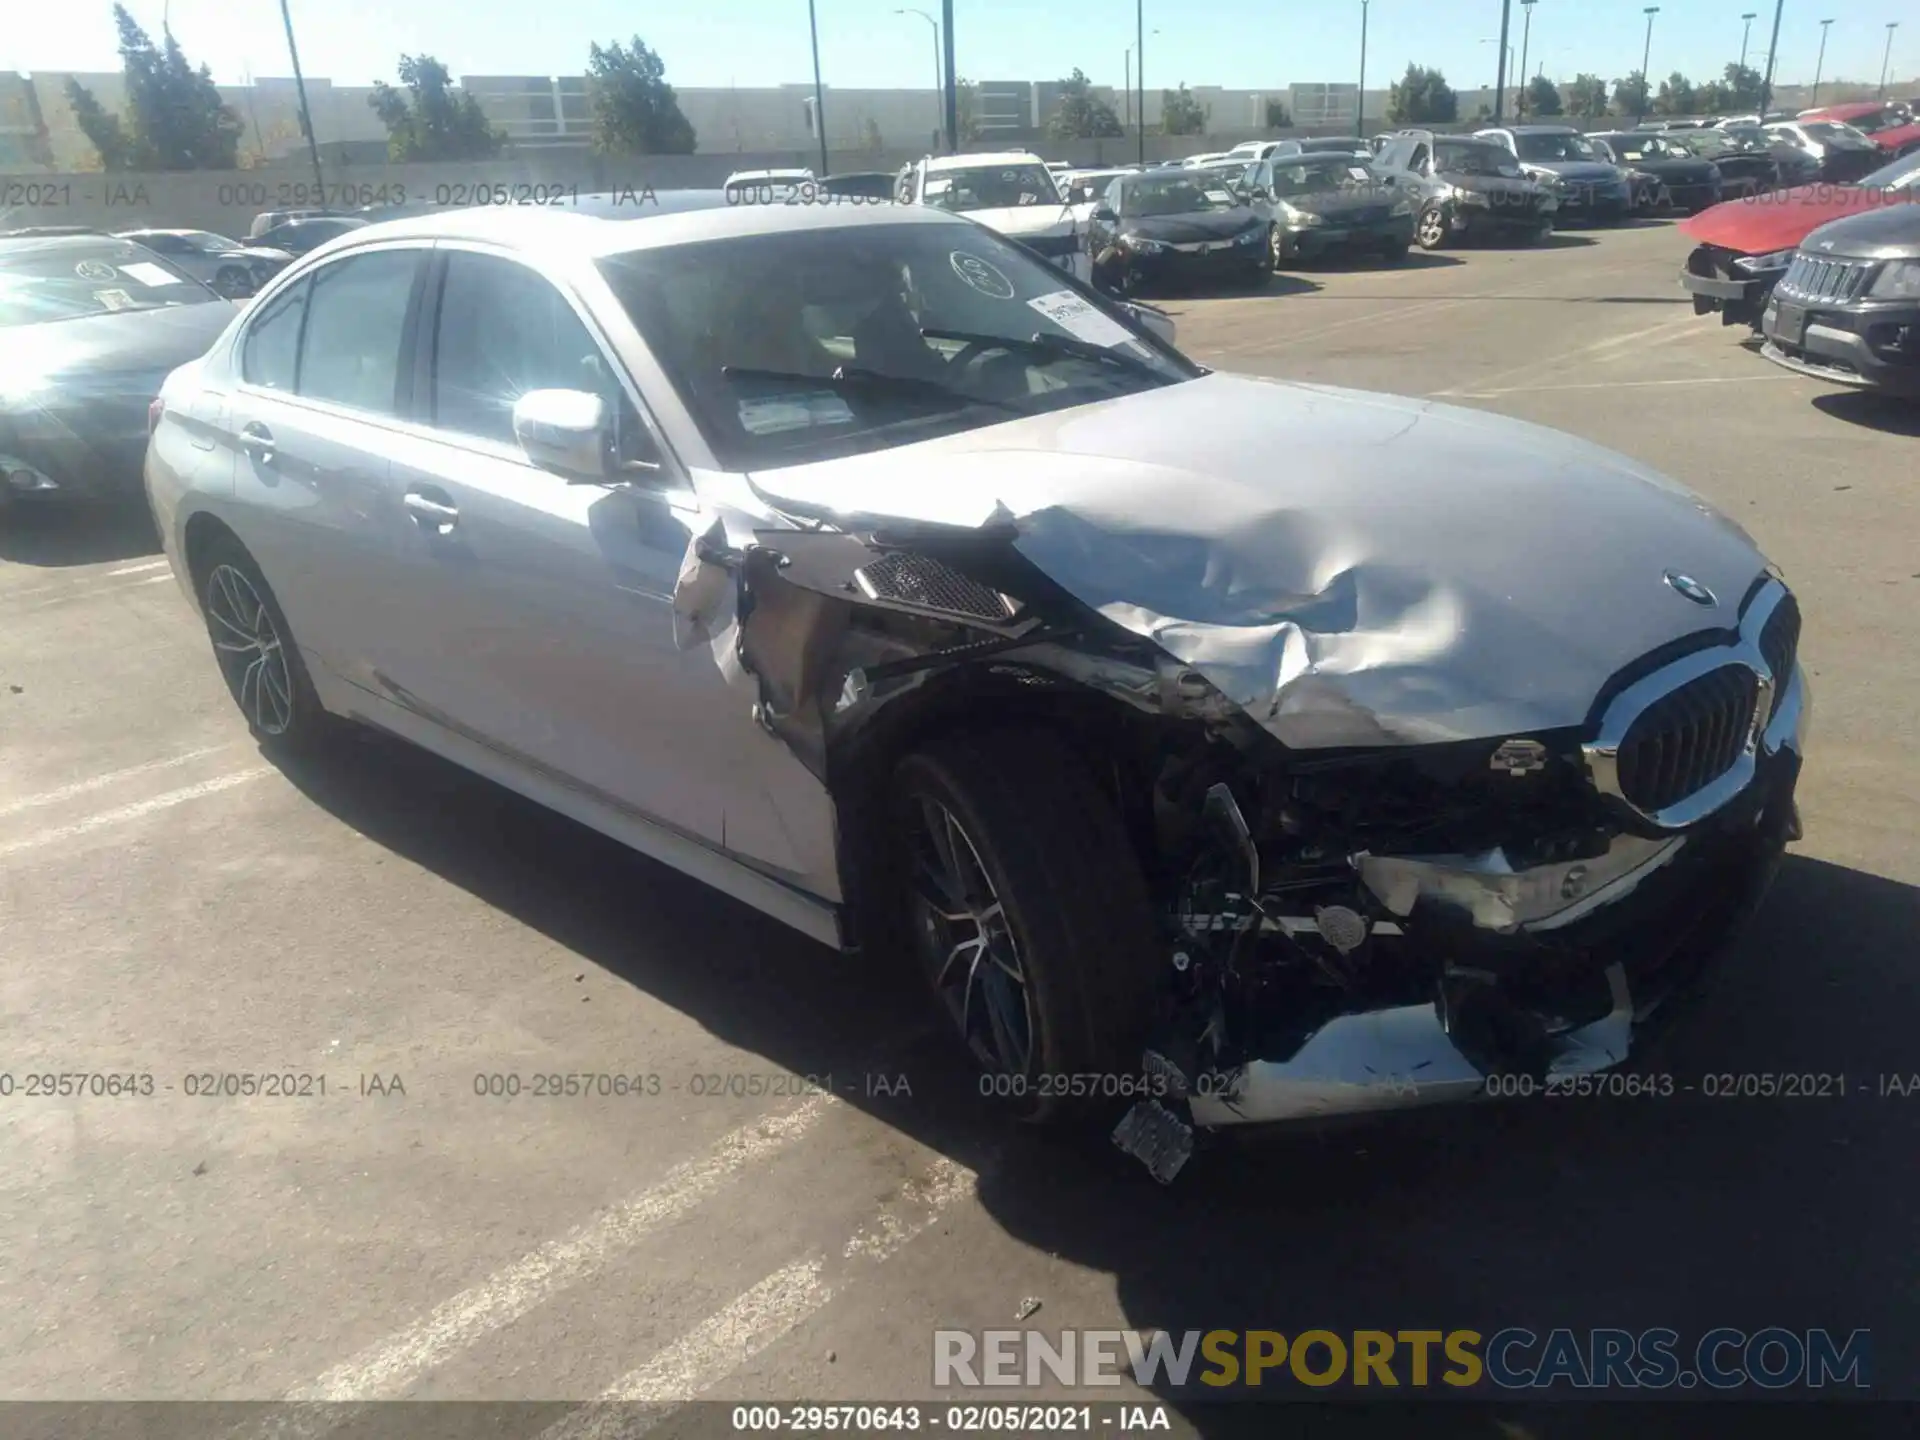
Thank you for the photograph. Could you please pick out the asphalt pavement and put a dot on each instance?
(174, 906)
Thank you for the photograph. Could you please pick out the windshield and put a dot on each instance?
(206, 241)
(991, 187)
(804, 345)
(71, 282)
(1554, 147)
(1189, 194)
(1902, 174)
(1874, 120)
(1321, 174)
(1647, 147)
(1464, 159)
(1830, 130)
(1725, 142)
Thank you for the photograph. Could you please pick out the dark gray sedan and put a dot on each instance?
(90, 325)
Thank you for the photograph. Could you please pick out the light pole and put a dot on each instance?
(1892, 25)
(1360, 101)
(1500, 65)
(1773, 47)
(306, 115)
(1646, 56)
(939, 101)
(1746, 29)
(951, 86)
(819, 93)
(1820, 64)
(1526, 34)
(1140, 70)
(1127, 61)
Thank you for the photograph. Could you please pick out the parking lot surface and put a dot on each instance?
(174, 906)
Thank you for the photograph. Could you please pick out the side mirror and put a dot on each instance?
(1149, 318)
(1104, 212)
(565, 431)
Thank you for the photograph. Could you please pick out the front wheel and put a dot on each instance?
(1432, 229)
(1541, 234)
(1027, 908)
(1276, 248)
(1394, 252)
(256, 652)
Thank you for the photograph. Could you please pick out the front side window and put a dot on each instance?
(270, 353)
(504, 330)
(1476, 160)
(1902, 174)
(804, 345)
(75, 281)
(990, 187)
(357, 313)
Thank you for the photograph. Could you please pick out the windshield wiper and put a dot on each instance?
(874, 382)
(1054, 345)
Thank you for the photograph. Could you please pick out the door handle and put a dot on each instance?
(257, 440)
(429, 514)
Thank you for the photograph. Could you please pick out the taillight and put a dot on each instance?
(156, 407)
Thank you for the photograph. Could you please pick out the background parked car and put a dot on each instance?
(1587, 189)
(1328, 205)
(233, 269)
(1795, 163)
(1848, 307)
(1012, 192)
(1748, 165)
(1688, 182)
(1174, 228)
(862, 185)
(303, 233)
(1888, 124)
(90, 327)
(1843, 152)
(1745, 246)
(272, 219)
(1463, 188)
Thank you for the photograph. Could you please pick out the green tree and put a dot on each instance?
(1631, 95)
(1180, 113)
(1678, 96)
(966, 112)
(635, 111)
(1543, 97)
(174, 118)
(428, 121)
(1277, 116)
(1082, 115)
(1740, 86)
(1422, 97)
(1586, 96)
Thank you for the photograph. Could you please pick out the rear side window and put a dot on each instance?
(358, 312)
(270, 355)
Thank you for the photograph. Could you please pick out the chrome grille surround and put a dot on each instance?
(1812, 278)
(1775, 718)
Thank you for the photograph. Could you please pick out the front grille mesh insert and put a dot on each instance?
(1780, 641)
(1687, 739)
(1808, 278)
(928, 584)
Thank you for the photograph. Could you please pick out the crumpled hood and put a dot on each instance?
(1587, 172)
(1351, 568)
(1761, 224)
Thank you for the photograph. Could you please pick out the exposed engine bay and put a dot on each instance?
(1345, 929)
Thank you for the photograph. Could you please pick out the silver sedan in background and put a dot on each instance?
(1225, 749)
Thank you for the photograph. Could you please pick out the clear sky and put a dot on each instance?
(863, 43)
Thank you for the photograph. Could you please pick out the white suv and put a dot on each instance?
(1010, 191)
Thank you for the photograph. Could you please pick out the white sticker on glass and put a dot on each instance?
(115, 299)
(1219, 197)
(776, 414)
(1079, 319)
(981, 275)
(147, 273)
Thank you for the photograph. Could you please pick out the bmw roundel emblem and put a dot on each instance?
(1691, 588)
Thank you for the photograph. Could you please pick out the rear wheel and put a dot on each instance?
(1431, 232)
(1394, 252)
(256, 652)
(1029, 916)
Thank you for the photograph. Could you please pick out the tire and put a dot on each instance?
(1541, 234)
(256, 653)
(1395, 253)
(1431, 230)
(1276, 243)
(1049, 869)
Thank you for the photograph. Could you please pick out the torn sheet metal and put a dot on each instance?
(1349, 568)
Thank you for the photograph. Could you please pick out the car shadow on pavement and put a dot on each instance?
(77, 533)
(1686, 1210)
(1892, 413)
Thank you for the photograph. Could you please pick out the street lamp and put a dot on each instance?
(1502, 64)
(1127, 61)
(1526, 34)
(1360, 100)
(1820, 64)
(819, 93)
(1773, 46)
(1892, 25)
(1140, 71)
(938, 99)
(1646, 56)
(1746, 29)
(306, 115)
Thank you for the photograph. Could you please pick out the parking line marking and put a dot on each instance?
(384, 1370)
(134, 811)
(84, 592)
(760, 1316)
(1617, 385)
(139, 569)
(1548, 362)
(100, 782)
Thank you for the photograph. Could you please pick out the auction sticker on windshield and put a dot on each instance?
(981, 275)
(1079, 319)
(774, 415)
(114, 299)
(1219, 197)
(147, 273)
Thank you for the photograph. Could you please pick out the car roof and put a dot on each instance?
(615, 222)
(19, 242)
(936, 163)
(1539, 129)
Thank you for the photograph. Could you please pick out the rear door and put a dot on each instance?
(312, 418)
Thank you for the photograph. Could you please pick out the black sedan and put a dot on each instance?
(1688, 182)
(1174, 227)
(1329, 204)
(1848, 308)
(90, 326)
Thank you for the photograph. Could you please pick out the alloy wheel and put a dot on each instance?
(251, 652)
(966, 942)
(1433, 227)
(1276, 248)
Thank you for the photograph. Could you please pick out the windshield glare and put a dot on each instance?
(991, 187)
(1646, 147)
(1475, 160)
(1319, 176)
(71, 282)
(832, 321)
(1183, 195)
(1830, 130)
(1554, 147)
(1902, 174)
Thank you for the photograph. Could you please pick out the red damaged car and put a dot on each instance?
(1746, 245)
(1887, 123)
